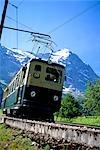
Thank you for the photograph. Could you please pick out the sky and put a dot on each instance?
(71, 24)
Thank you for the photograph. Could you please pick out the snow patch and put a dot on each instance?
(62, 54)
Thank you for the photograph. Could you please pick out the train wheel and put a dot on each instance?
(50, 118)
(11, 112)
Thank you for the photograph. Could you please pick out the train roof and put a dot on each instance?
(46, 61)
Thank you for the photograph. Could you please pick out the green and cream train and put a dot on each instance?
(35, 91)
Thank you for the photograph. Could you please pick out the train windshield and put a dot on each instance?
(53, 75)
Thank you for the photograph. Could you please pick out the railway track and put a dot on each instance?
(58, 133)
(80, 125)
(56, 123)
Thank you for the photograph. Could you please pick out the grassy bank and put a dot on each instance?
(15, 139)
(88, 120)
(11, 139)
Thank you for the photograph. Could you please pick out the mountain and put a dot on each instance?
(76, 71)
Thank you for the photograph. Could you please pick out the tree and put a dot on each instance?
(69, 107)
(80, 100)
(92, 99)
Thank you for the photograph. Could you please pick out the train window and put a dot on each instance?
(24, 70)
(37, 68)
(11, 88)
(53, 75)
(13, 85)
(17, 81)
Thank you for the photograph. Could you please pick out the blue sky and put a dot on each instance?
(81, 35)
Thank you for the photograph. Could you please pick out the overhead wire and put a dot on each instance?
(16, 7)
(61, 25)
(20, 3)
(20, 23)
(17, 22)
(73, 18)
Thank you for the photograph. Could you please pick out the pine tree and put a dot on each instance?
(92, 99)
(69, 107)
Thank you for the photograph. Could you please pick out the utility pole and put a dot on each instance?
(3, 17)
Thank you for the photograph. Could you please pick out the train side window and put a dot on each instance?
(37, 68)
(7, 91)
(11, 88)
(24, 70)
(17, 81)
(13, 85)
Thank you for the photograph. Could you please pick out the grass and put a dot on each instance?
(1, 112)
(11, 139)
(93, 120)
(88, 120)
(15, 139)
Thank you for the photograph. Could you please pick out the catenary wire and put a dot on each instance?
(74, 17)
(19, 23)
(61, 25)
(20, 3)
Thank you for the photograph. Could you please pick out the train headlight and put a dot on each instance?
(55, 98)
(33, 93)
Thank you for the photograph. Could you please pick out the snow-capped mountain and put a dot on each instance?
(77, 72)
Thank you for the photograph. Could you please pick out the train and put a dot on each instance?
(35, 91)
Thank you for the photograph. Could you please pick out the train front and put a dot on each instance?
(43, 89)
